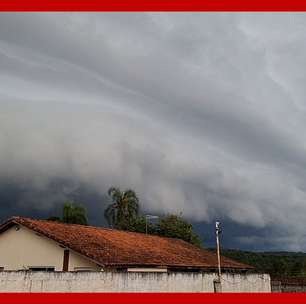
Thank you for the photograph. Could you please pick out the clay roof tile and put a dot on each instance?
(110, 247)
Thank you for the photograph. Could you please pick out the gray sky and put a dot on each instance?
(200, 113)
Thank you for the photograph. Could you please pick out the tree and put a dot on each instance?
(296, 269)
(122, 213)
(279, 267)
(74, 214)
(176, 227)
(139, 224)
(123, 210)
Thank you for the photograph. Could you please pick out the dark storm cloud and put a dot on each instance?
(200, 113)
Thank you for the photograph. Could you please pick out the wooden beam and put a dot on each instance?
(66, 260)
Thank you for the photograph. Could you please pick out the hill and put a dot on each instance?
(277, 264)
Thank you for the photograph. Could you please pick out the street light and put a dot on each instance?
(149, 217)
(218, 231)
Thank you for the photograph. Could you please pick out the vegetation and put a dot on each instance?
(176, 227)
(72, 214)
(123, 213)
(54, 218)
(277, 264)
(173, 226)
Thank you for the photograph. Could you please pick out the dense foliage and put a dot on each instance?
(123, 209)
(72, 214)
(123, 213)
(277, 264)
(176, 227)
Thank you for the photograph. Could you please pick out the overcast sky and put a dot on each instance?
(199, 113)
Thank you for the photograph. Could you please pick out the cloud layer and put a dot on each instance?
(200, 113)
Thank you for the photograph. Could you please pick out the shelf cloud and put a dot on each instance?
(199, 113)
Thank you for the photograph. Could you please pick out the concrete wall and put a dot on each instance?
(129, 282)
(287, 286)
(22, 248)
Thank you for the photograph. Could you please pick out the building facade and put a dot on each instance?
(24, 249)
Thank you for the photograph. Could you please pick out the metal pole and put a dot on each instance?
(218, 230)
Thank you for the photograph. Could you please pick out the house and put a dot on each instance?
(39, 245)
(47, 256)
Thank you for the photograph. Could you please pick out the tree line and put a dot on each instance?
(123, 213)
(277, 264)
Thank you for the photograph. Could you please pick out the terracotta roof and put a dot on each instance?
(109, 247)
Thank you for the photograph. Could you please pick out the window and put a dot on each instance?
(41, 268)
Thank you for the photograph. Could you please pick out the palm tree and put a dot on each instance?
(123, 210)
(74, 214)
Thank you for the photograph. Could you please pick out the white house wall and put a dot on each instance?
(22, 248)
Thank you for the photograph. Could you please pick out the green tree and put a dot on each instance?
(296, 269)
(176, 227)
(123, 213)
(139, 225)
(123, 210)
(279, 267)
(74, 214)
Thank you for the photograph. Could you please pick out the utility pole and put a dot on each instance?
(218, 231)
(148, 216)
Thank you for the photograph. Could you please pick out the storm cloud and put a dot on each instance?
(200, 113)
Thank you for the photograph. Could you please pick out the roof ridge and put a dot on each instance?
(98, 228)
(16, 218)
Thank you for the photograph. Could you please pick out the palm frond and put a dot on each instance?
(110, 214)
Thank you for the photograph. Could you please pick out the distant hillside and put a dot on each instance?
(277, 264)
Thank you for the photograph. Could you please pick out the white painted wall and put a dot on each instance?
(129, 282)
(20, 249)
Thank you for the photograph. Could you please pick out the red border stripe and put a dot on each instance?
(153, 5)
(152, 298)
